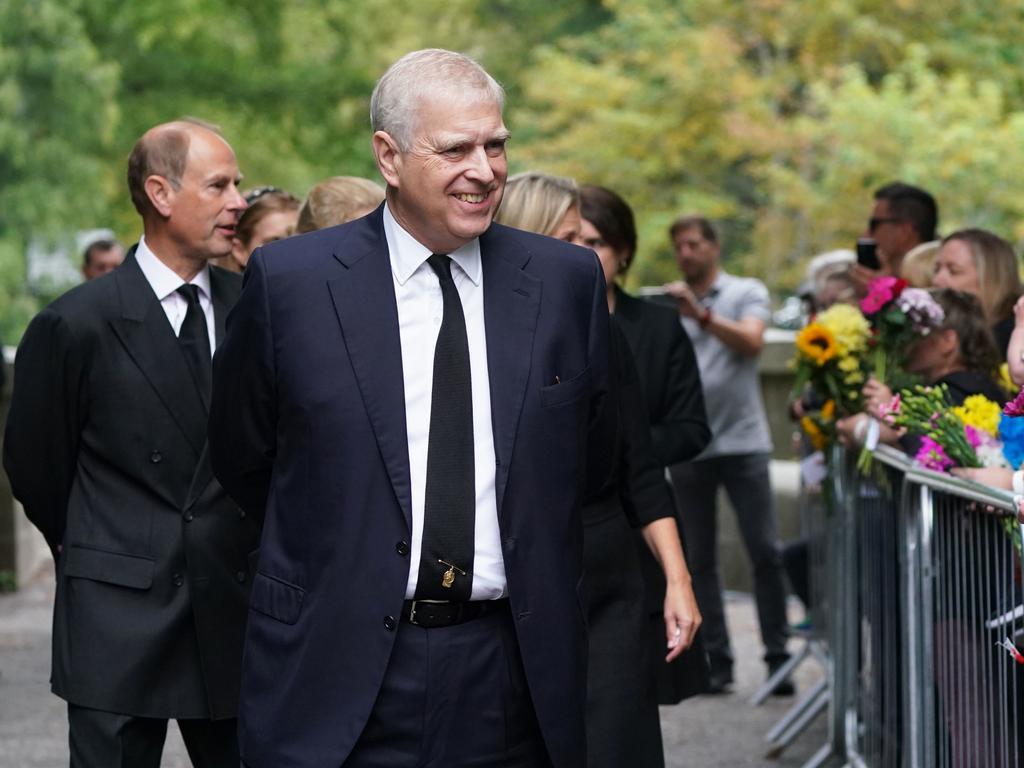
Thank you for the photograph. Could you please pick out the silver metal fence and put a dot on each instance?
(922, 609)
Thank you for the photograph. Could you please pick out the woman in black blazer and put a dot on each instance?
(622, 711)
(670, 383)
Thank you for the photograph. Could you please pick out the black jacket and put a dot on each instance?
(106, 448)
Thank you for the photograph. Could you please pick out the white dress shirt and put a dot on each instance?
(166, 282)
(420, 311)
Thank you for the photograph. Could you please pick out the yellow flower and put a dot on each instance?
(828, 410)
(816, 343)
(981, 413)
(848, 327)
(813, 432)
(1005, 381)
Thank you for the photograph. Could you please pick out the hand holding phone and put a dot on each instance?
(867, 253)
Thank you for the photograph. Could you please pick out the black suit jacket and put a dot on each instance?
(106, 448)
(308, 427)
(669, 377)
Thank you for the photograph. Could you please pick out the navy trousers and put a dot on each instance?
(453, 697)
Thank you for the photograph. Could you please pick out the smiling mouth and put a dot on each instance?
(466, 197)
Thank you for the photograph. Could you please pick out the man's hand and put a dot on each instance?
(861, 277)
(685, 299)
(682, 618)
(994, 477)
(876, 394)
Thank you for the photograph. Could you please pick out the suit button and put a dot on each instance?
(389, 623)
(178, 579)
(240, 576)
(155, 457)
(189, 516)
(402, 548)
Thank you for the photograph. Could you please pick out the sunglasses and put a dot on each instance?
(874, 223)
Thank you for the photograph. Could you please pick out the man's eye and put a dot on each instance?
(496, 148)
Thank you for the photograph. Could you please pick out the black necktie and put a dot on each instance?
(446, 560)
(194, 339)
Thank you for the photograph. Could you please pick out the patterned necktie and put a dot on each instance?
(194, 339)
(449, 517)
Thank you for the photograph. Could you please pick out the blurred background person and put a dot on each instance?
(271, 215)
(623, 726)
(337, 200)
(670, 382)
(101, 256)
(725, 317)
(902, 218)
(982, 264)
(918, 266)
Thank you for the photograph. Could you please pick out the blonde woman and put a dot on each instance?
(622, 712)
(337, 200)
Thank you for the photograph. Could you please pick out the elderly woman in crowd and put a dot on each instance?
(337, 200)
(670, 381)
(271, 215)
(622, 714)
(983, 264)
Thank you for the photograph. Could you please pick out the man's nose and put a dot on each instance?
(480, 167)
(237, 203)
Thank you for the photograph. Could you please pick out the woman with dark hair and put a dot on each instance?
(670, 383)
(271, 215)
(623, 726)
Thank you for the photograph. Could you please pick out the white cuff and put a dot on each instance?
(871, 441)
(1018, 482)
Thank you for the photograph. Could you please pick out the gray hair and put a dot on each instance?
(430, 72)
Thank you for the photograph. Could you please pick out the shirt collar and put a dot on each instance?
(408, 254)
(162, 278)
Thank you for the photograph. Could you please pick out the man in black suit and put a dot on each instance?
(406, 398)
(106, 448)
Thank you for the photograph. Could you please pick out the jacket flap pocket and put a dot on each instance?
(276, 599)
(111, 567)
(565, 391)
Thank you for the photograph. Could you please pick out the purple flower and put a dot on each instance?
(973, 436)
(920, 306)
(933, 456)
(1016, 406)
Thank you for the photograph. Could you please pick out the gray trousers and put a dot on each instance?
(745, 477)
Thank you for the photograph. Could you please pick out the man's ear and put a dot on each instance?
(160, 192)
(949, 341)
(388, 156)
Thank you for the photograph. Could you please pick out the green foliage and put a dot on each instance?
(775, 117)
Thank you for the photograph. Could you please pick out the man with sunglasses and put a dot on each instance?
(903, 218)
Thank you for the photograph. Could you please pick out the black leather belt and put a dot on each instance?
(430, 614)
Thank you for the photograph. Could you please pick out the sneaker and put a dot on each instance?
(783, 688)
(719, 682)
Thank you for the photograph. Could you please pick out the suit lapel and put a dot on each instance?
(511, 305)
(364, 301)
(147, 336)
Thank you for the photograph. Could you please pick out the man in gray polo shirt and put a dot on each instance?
(725, 317)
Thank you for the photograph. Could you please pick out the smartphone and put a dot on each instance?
(867, 253)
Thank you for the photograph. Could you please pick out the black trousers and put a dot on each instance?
(453, 697)
(107, 740)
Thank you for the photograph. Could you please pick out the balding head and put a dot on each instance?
(163, 151)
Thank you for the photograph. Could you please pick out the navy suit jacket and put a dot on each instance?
(307, 431)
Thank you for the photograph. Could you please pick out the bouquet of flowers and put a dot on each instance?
(978, 433)
(829, 359)
(898, 315)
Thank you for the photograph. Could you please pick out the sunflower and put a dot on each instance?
(817, 343)
(814, 433)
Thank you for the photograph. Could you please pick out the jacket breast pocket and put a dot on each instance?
(276, 598)
(117, 568)
(565, 391)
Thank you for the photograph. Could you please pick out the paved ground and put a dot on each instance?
(705, 732)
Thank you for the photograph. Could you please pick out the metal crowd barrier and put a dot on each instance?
(920, 605)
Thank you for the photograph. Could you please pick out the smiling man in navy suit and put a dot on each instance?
(407, 401)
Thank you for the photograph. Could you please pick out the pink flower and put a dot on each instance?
(881, 291)
(973, 435)
(933, 456)
(1016, 406)
(888, 412)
